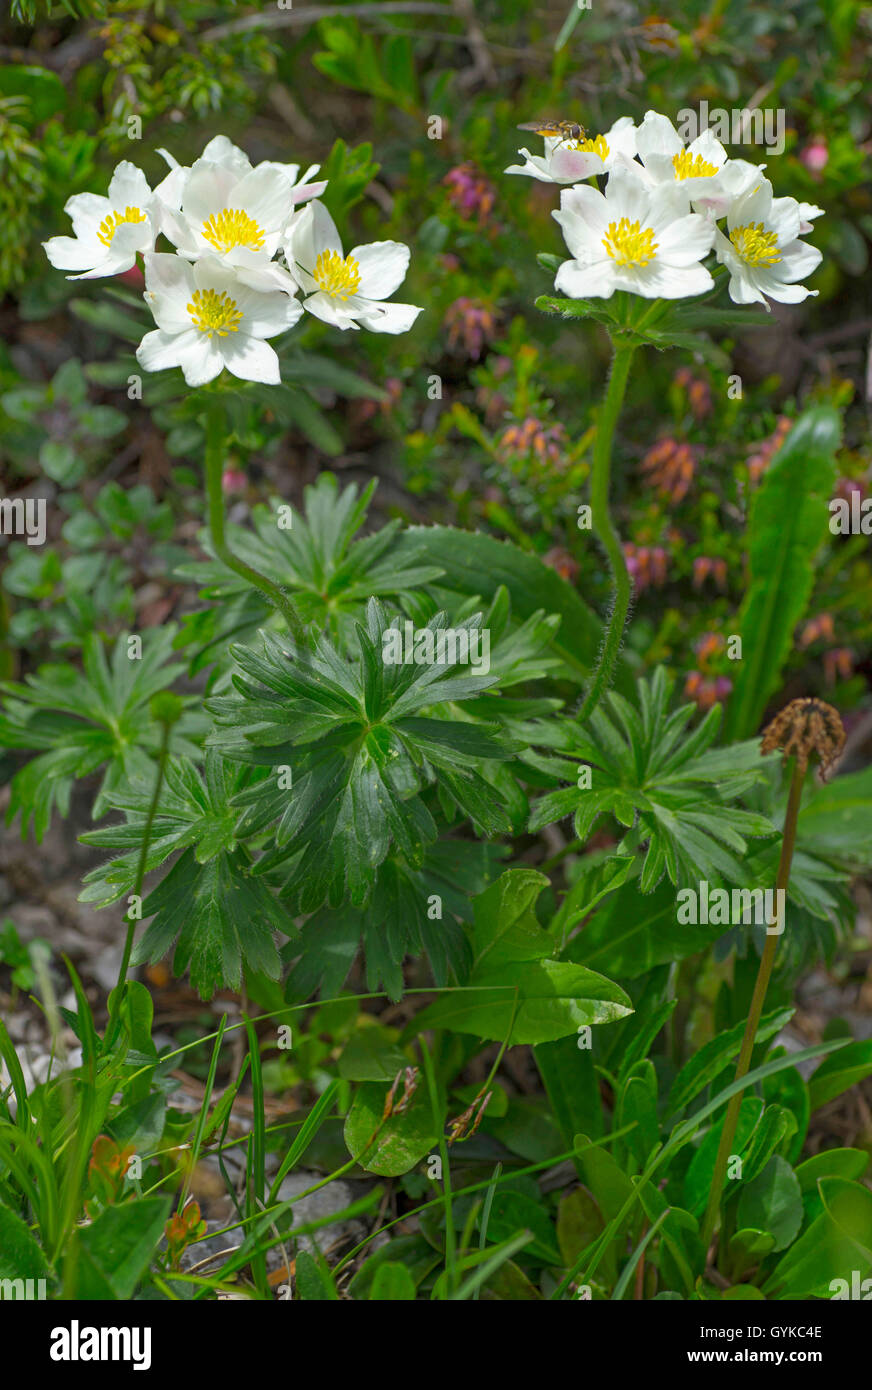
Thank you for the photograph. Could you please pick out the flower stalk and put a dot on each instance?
(215, 458)
(764, 973)
(802, 729)
(604, 526)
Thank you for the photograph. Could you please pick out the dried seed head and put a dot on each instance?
(409, 1078)
(804, 727)
(458, 1127)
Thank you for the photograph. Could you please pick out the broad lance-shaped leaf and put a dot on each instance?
(835, 1245)
(476, 565)
(514, 978)
(788, 524)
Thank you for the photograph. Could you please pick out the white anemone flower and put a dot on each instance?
(631, 238)
(572, 161)
(208, 319)
(347, 291)
(110, 231)
(701, 170)
(236, 215)
(222, 151)
(763, 252)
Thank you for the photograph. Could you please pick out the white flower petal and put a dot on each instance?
(160, 350)
(743, 290)
(770, 282)
(311, 232)
(685, 240)
(657, 136)
(264, 315)
(590, 281)
(572, 166)
(658, 281)
(535, 167)
(711, 150)
(797, 261)
(86, 211)
(250, 358)
(267, 278)
(388, 318)
(221, 150)
(208, 190)
(583, 217)
(328, 310)
(784, 220)
(265, 195)
(303, 191)
(70, 253)
(383, 266)
(170, 191)
(169, 283)
(129, 187)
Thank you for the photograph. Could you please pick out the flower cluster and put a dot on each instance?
(670, 465)
(761, 455)
(656, 220)
(247, 240)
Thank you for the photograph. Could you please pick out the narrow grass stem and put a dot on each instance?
(605, 530)
(215, 439)
(767, 960)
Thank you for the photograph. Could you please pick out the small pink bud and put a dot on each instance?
(815, 156)
(233, 480)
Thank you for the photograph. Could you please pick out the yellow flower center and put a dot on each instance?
(692, 166)
(755, 245)
(629, 244)
(597, 144)
(109, 226)
(213, 313)
(231, 228)
(337, 277)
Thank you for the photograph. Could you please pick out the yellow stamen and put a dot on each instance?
(597, 144)
(692, 166)
(233, 227)
(337, 277)
(628, 244)
(109, 226)
(213, 313)
(755, 245)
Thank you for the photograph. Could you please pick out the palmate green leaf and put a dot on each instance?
(789, 522)
(363, 740)
(515, 989)
(673, 790)
(223, 919)
(194, 810)
(87, 720)
(222, 915)
(395, 922)
(329, 573)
